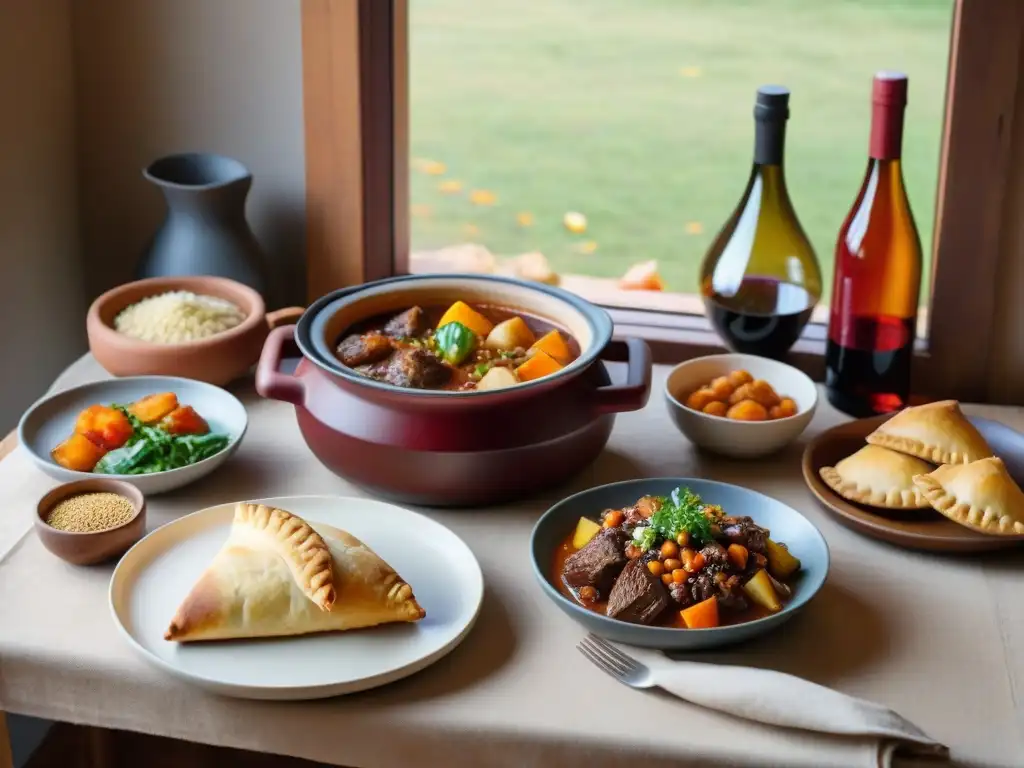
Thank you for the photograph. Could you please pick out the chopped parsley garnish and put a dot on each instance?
(482, 368)
(644, 537)
(682, 511)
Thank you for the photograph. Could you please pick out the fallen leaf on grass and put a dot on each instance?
(690, 72)
(588, 246)
(525, 219)
(433, 168)
(482, 197)
(575, 222)
(470, 229)
(449, 186)
(420, 210)
(694, 228)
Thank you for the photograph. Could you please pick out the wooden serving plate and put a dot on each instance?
(923, 529)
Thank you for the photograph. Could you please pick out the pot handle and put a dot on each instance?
(631, 396)
(270, 382)
(285, 316)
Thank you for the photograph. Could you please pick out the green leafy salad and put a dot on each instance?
(154, 449)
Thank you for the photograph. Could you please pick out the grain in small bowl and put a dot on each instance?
(737, 437)
(90, 521)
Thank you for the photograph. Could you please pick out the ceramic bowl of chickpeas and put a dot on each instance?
(742, 406)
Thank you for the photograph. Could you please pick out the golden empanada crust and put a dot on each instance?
(878, 477)
(980, 495)
(936, 432)
(268, 580)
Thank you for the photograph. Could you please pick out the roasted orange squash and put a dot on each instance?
(78, 453)
(185, 421)
(461, 312)
(703, 615)
(151, 408)
(553, 343)
(107, 427)
(540, 365)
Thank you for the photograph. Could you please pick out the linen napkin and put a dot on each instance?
(777, 698)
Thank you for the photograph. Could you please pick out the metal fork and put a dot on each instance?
(610, 659)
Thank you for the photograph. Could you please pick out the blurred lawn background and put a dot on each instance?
(639, 115)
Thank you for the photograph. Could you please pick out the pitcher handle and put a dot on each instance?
(284, 316)
(270, 381)
(633, 395)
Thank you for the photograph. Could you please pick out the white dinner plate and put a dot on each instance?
(155, 575)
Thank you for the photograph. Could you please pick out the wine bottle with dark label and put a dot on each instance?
(760, 279)
(877, 274)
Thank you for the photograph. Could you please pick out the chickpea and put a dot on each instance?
(700, 398)
(721, 387)
(686, 556)
(669, 549)
(633, 551)
(739, 377)
(679, 576)
(716, 408)
(671, 564)
(785, 408)
(682, 538)
(655, 567)
(614, 518)
(666, 579)
(588, 594)
(748, 410)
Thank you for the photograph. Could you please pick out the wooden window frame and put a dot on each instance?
(355, 65)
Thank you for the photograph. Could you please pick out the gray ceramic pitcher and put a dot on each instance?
(205, 231)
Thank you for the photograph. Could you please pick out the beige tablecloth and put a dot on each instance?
(939, 639)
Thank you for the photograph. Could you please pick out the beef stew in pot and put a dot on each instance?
(457, 348)
(675, 562)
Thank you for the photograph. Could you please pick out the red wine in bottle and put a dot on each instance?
(760, 278)
(877, 274)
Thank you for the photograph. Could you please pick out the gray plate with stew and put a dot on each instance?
(746, 567)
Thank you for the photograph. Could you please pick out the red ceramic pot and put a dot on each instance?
(453, 448)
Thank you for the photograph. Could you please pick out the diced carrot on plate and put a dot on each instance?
(78, 453)
(151, 408)
(185, 421)
(104, 426)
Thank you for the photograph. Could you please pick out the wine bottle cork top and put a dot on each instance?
(772, 103)
(889, 88)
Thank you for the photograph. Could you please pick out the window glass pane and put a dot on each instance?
(638, 115)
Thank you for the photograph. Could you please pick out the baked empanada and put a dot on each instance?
(277, 575)
(979, 495)
(878, 477)
(936, 432)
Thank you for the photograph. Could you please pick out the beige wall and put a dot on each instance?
(42, 305)
(162, 76)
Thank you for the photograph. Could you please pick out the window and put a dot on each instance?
(358, 57)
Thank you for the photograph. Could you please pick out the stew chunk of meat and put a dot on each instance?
(638, 596)
(599, 562)
(412, 367)
(409, 323)
(360, 349)
(743, 530)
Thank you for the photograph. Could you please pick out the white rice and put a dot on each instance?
(177, 316)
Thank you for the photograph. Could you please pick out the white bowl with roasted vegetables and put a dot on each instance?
(677, 563)
(156, 432)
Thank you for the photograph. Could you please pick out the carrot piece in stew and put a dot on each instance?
(461, 312)
(540, 365)
(104, 426)
(78, 453)
(703, 615)
(151, 408)
(738, 555)
(553, 343)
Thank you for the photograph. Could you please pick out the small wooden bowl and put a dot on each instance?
(218, 359)
(93, 547)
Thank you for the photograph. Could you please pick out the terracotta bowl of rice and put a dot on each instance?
(210, 329)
